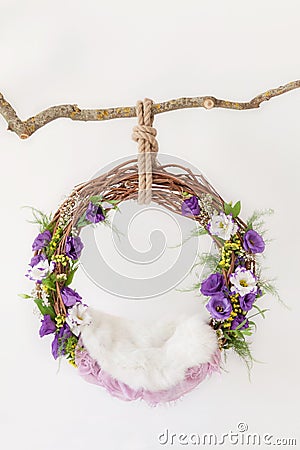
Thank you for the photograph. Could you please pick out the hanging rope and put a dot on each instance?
(144, 134)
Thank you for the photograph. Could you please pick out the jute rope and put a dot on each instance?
(144, 134)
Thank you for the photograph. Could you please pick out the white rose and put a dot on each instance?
(222, 226)
(78, 316)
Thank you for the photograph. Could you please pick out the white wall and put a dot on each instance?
(97, 53)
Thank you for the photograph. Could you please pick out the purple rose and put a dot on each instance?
(74, 247)
(219, 306)
(240, 318)
(59, 342)
(213, 284)
(41, 240)
(253, 242)
(36, 259)
(70, 297)
(48, 326)
(247, 301)
(190, 206)
(94, 213)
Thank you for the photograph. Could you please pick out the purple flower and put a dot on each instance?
(190, 206)
(213, 284)
(253, 242)
(240, 318)
(240, 261)
(219, 306)
(94, 213)
(48, 326)
(41, 240)
(247, 301)
(259, 293)
(70, 297)
(59, 342)
(74, 247)
(36, 259)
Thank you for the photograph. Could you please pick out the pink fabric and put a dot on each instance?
(90, 370)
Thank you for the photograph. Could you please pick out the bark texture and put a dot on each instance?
(26, 128)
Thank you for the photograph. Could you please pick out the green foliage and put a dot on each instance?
(255, 220)
(43, 220)
(268, 287)
(50, 282)
(199, 231)
(82, 222)
(71, 275)
(24, 296)
(45, 309)
(210, 260)
(70, 347)
(113, 202)
(238, 343)
(260, 312)
(233, 210)
(96, 199)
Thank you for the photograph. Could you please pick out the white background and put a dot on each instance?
(98, 54)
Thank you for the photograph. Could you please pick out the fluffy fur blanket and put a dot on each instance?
(150, 356)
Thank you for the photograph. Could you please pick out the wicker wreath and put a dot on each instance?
(231, 290)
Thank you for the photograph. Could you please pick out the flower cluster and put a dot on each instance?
(52, 269)
(233, 288)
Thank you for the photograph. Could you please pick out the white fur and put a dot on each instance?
(152, 357)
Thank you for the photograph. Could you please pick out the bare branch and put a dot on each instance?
(26, 128)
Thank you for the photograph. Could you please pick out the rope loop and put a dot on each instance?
(145, 135)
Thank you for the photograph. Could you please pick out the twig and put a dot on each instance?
(26, 128)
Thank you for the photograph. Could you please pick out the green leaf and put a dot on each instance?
(199, 231)
(233, 210)
(253, 324)
(236, 209)
(45, 309)
(228, 208)
(82, 222)
(24, 296)
(260, 311)
(43, 220)
(49, 282)
(112, 202)
(247, 332)
(96, 199)
(70, 276)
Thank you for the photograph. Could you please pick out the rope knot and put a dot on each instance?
(145, 135)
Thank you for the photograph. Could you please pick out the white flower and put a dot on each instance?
(243, 281)
(40, 271)
(222, 226)
(78, 316)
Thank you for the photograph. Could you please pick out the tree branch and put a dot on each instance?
(26, 128)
